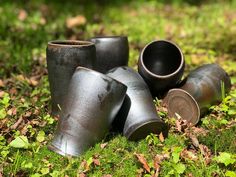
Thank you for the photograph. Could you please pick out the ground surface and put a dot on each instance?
(206, 34)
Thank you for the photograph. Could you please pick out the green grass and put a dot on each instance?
(204, 31)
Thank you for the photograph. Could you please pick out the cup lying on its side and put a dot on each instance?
(62, 59)
(111, 52)
(161, 64)
(90, 106)
(202, 88)
(137, 117)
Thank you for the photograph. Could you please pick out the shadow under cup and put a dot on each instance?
(161, 64)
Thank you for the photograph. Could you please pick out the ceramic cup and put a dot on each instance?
(204, 87)
(137, 117)
(62, 59)
(161, 64)
(92, 102)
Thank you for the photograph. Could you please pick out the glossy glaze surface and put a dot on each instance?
(111, 52)
(205, 86)
(62, 59)
(161, 64)
(91, 105)
(137, 117)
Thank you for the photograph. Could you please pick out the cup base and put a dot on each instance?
(180, 104)
(141, 131)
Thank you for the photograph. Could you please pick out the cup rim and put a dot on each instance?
(129, 134)
(109, 37)
(100, 74)
(162, 76)
(70, 43)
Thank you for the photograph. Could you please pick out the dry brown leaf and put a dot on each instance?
(20, 77)
(18, 122)
(103, 145)
(206, 152)
(157, 168)
(140, 171)
(82, 175)
(34, 122)
(178, 125)
(13, 91)
(157, 161)
(143, 161)
(33, 81)
(108, 175)
(161, 137)
(194, 140)
(2, 83)
(2, 94)
(24, 130)
(22, 15)
(96, 162)
(156, 174)
(36, 112)
(42, 21)
(159, 158)
(188, 155)
(199, 131)
(84, 166)
(75, 21)
(28, 114)
(12, 112)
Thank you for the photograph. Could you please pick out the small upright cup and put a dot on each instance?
(161, 64)
(92, 102)
(111, 51)
(202, 88)
(137, 117)
(62, 59)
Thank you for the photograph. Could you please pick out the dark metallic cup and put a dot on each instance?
(137, 116)
(203, 87)
(62, 59)
(92, 102)
(111, 51)
(161, 64)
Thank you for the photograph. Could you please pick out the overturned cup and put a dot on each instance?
(202, 88)
(137, 117)
(90, 106)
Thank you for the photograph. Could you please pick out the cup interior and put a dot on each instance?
(162, 58)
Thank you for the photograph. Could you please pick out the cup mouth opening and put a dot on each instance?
(176, 47)
(69, 43)
(101, 75)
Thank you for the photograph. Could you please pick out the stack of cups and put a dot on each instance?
(93, 90)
